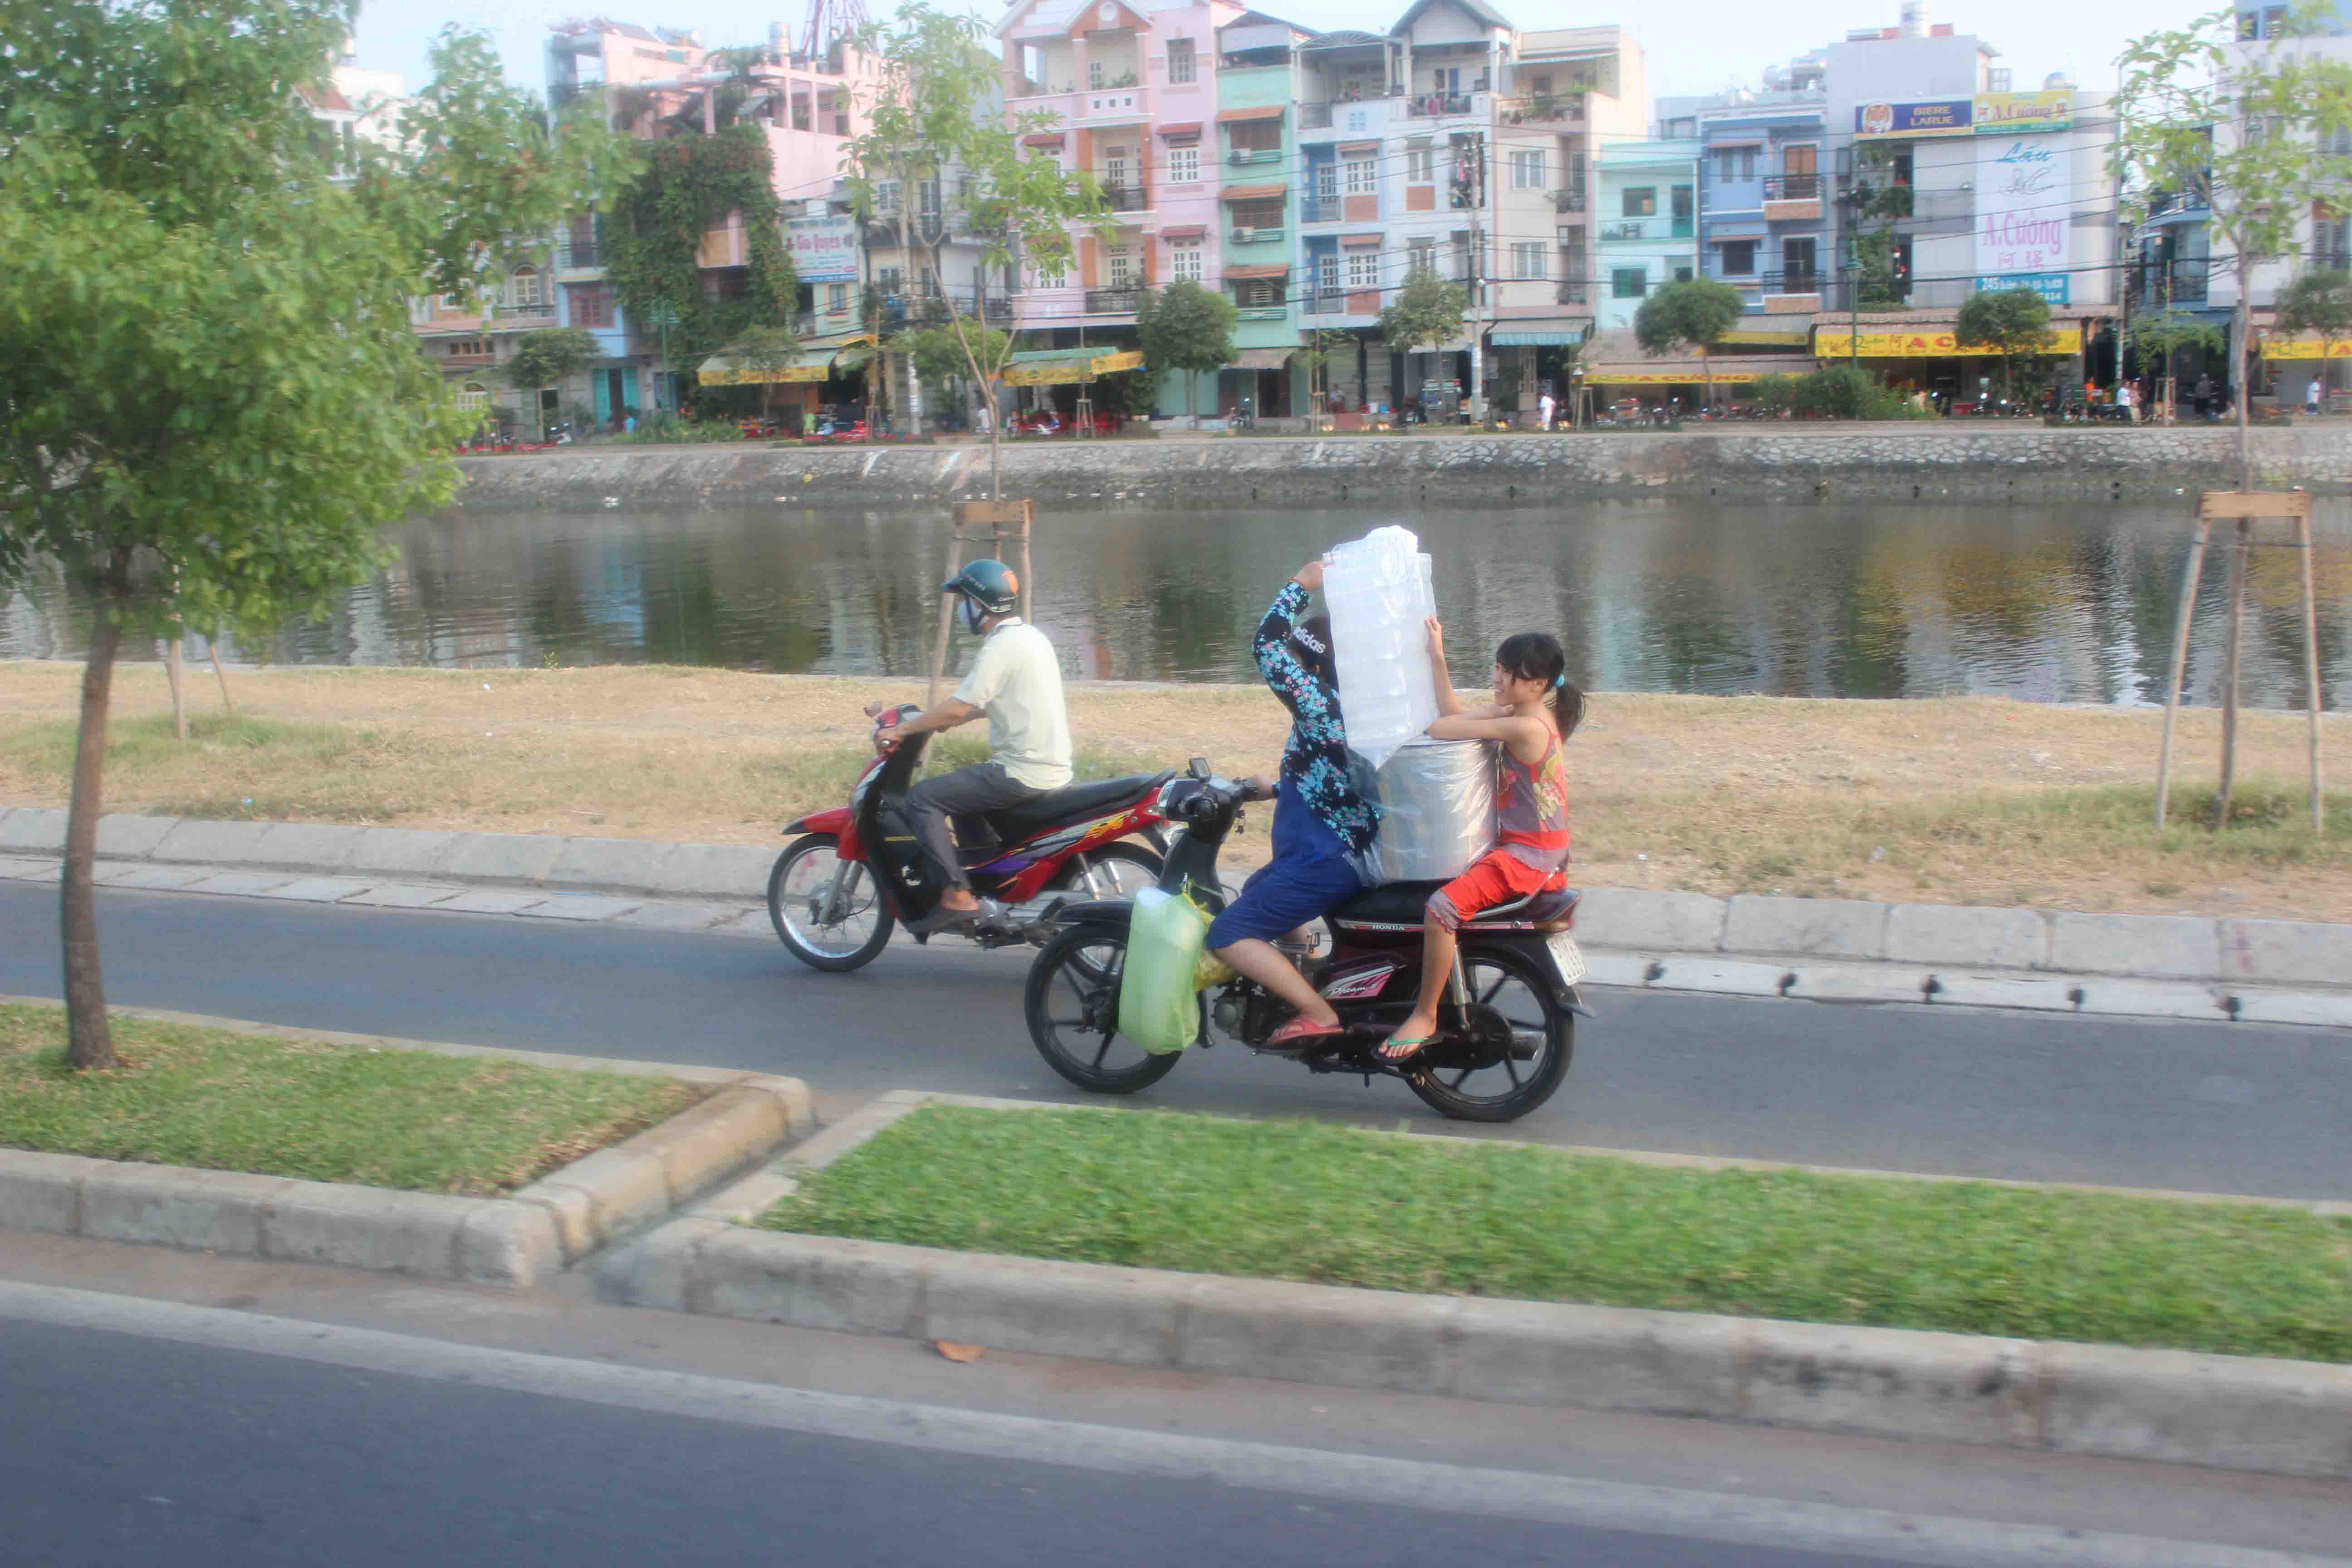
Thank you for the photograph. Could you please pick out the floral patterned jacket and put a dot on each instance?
(1315, 761)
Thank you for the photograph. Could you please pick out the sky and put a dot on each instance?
(1693, 46)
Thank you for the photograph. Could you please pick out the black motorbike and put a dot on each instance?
(1508, 1025)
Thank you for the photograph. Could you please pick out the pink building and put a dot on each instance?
(1133, 87)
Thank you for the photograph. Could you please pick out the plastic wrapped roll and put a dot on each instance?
(1378, 590)
(1437, 809)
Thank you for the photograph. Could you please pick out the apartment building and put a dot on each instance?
(1762, 210)
(1648, 225)
(1257, 97)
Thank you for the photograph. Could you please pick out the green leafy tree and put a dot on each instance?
(1184, 327)
(1691, 314)
(767, 352)
(210, 400)
(2244, 129)
(550, 358)
(935, 115)
(1426, 313)
(2164, 339)
(2013, 322)
(937, 354)
(690, 185)
(1324, 347)
(2319, 304)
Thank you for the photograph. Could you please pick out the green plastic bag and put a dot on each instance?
(1157, 1007)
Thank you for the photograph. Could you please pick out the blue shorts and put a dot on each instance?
(1283, 895)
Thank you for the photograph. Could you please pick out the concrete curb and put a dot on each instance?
(1957, 954)
(2270, 1417)
(517, 1241)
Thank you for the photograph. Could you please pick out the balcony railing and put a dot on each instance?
(1780, 283)
(1242, 236)
(573, 256)
(1792, 187)
(1112, 302)
(1329, 302)
(1571, 200)
(1243, 157)
(1262, 313)
(2328, 259)
(1432, 105)
(522, 318)
(1540, 106)
(1632, 229)
(2190, 280)
(1312, 211)
(1315, 117)
(1125, 198)
(1572, 293)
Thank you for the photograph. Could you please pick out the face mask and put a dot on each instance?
(973, 615)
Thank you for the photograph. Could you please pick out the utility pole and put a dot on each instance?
(907, 258)
(1478, 283)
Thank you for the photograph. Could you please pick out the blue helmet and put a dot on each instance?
(989, 589)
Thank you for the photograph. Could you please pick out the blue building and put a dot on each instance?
(1762, 208)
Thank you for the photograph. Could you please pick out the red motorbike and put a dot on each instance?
(857, 871)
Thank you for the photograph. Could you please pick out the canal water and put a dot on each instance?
(2062, 603)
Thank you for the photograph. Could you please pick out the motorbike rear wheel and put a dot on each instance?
(1470, 1085)
(796, 892)
(1072, 1002)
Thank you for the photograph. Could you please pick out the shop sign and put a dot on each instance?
(1603, 376)
(1926, 342)
(1937, 117)
(2305, 348)
(824, 249)
(2023, 210)
(2051, 286)
(2007, 113)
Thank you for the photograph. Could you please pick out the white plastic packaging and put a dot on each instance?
(1378, 590)
(1437, 809)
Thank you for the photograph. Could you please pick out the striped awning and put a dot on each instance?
(1271, 270)
(1190, 128)
(1236, 116)
(1253, 193)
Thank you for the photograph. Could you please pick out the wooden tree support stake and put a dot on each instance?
(2244, 508)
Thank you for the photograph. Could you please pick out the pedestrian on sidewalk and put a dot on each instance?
(1547, 408)
(2313, 396)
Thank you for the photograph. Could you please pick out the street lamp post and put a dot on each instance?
(1851, 265)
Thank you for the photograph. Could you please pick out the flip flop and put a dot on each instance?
(1300, 1031)
(1414, 1048)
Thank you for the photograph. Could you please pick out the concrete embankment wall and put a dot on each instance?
(1954, 461)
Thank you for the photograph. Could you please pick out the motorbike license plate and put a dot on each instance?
(1567, 958)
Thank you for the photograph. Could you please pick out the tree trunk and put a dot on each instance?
(89, 1042)
(2244, 325)
(1706, 369)
(2235, 633)
(174, 668)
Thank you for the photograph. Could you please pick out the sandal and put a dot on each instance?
(1299, 1031)
(1396, 1050)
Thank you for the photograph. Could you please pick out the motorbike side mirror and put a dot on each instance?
(1197, 768)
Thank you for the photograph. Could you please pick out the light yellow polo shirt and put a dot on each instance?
(1017, 681)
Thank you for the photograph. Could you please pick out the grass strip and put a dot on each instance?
(1305, 1201)
(381, 1117)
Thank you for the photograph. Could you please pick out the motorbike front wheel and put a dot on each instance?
(1072, 1001)
(798, 893)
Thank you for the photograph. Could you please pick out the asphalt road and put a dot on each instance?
(2203, 1107)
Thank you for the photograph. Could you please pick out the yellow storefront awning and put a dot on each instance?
(2306, 348)
(726, 370)
(1077, 367)
(1678, 375)
(1925, 342)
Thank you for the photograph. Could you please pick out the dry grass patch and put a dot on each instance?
(1971, 800)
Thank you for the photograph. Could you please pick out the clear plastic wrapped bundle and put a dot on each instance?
(1437, 808)
(1377, 591)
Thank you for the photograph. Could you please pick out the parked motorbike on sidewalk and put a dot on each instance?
(857, 871)
(1506, 1025)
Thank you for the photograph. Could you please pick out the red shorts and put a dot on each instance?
(1498, 879)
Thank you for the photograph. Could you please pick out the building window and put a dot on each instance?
(526, 288)
(1095, 77)
(1327, 274)
(1257, 293)
(1184, 263)
(1740, 259)
(836, 299)
(1327, 183)
(1682, 274)
(1121, 266)
(474, 398)
(1797, 264)
(1526, 171)
(1641, 201)
(592, 306)
(1629, 283)
(1363, 268)
(1420, 258)
(1115, 168)
(1182, 63)
(1054, 274)
(1356, 119)
(886, 279)
(1528, 258)
(1735, 165)
(1419, 167)
(1363, 176)
(1184, 165)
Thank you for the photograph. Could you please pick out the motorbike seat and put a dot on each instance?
(1071, 803)
(1401, 903)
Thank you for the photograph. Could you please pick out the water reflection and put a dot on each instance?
(2050, 604)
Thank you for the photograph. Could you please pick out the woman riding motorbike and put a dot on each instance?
(1323, 817)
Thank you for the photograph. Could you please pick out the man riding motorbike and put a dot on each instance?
(1016, 680)
(1324, 818)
